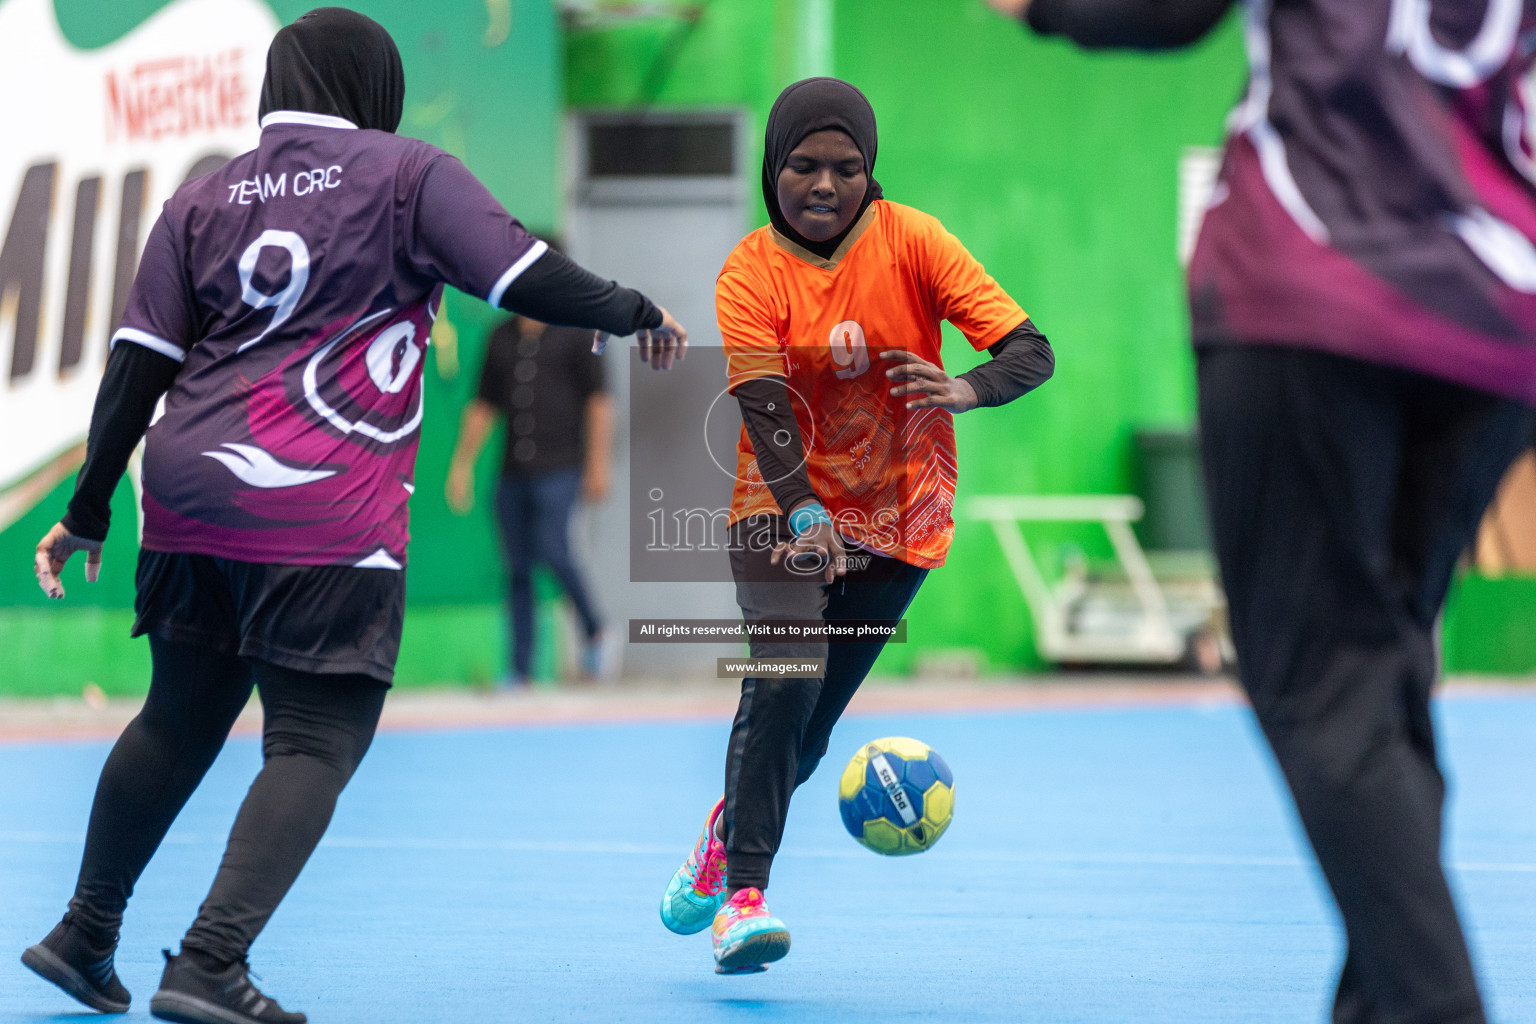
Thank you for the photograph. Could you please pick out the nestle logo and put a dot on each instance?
(177, 96)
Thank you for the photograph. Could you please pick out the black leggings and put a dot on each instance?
(316, 730)
(1341, 496)
(782, 725)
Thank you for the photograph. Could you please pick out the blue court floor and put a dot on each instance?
(1105, 865)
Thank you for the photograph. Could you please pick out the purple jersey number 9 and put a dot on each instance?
(298, 277)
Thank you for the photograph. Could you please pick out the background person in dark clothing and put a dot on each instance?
(547, 384)
(1363, 302)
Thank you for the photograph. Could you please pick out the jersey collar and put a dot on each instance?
(800, 252)
(305, 117)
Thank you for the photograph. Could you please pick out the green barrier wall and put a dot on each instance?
(1487, 626)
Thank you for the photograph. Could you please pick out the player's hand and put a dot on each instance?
(1010, 8)
(54, 550)
(819, 548)
(664, 345)
(460, 490)
(660, 346)
(935, 388)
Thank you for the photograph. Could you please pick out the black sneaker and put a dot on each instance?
(194, 994)
(80, 963)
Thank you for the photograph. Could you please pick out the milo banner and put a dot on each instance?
(96, 141)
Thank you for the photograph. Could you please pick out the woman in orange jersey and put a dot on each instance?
(846, 465)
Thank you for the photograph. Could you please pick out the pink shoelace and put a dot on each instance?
(747, 900)
(711, 873)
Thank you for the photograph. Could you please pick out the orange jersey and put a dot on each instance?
(885, 474)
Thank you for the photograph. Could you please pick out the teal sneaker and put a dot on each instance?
(696, 890)
(747, 936)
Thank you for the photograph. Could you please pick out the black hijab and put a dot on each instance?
(338, 62)
(808, 106)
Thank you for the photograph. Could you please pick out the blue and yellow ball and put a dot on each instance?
(896, 796)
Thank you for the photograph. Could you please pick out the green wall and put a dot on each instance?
(1056, 168)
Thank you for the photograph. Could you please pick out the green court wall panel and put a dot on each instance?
(58, 650)
(451, 644)
(1490, 626)
(55, 650)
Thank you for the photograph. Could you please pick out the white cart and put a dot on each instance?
(1165, 609)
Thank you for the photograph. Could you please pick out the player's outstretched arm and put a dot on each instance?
(555, 289)
(131, 386)
(459, 234)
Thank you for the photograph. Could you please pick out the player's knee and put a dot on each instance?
(809, 759)
(340, 751)
(1328, 763)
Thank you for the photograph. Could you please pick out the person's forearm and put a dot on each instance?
(131, 386)
(599, 424)
(474, 427)
(1021, 361)
(1131, 24)
(554, 290)
(775, 436)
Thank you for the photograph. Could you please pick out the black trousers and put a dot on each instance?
(316, 729)
(782, 725)
(1341, 496)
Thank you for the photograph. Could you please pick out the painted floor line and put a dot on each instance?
(853, 853)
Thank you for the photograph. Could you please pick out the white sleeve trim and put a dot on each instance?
(515, 271)
(149, 341)
(305, 117)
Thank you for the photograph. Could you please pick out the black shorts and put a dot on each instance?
(331, 619)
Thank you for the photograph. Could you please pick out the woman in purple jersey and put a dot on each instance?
(281, 307)
(1363, 303)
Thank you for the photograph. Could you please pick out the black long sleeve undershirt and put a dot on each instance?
(767, 414)
(1021, 361)
(131, 386)
(1128, 24)
(556, 290)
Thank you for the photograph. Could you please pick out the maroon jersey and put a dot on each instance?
(298, 285)
(1378, 193)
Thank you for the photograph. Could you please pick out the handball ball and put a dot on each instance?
(896, 796)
